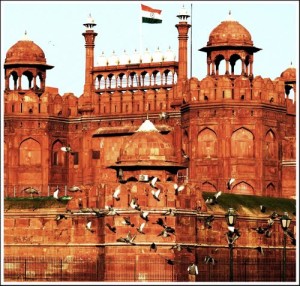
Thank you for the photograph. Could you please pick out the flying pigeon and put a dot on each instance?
(141, 227)
(60, 216)
(117, 193)
(214, 199)
(111, 211)
(128, 239)
(153, 182)
(31, 191)
(75, 189)
(153, 247)
(170, 261)
(88, 226)
(178, 189)
(67, 149)
(134, 204)
(127, 221)
(156, 194)
(144, 215)
(209, 259)
(184, 155)
(160, 222)
(208, 220)
(262, 208)
(111, 228)
(164, 233)
(229, 183)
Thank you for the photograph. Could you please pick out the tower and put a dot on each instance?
(183, 29)
(89, 37)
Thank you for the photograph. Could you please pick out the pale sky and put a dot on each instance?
(57, 27)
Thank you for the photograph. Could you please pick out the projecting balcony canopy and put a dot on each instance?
(127, 130)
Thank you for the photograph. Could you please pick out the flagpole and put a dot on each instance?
(141, 31)
(191, 51)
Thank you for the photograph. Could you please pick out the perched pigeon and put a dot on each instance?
(111, 211)
(55, 194)
(260, 250)
(170, 212)
(153, 247)
(31, 191)
(60, 216)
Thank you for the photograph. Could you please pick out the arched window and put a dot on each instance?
(207, 144)
(242, 144)
(58, 156)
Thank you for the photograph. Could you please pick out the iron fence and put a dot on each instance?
(141, 270)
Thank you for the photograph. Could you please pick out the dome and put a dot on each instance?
(147, 147)
(146, 57)
(169, 55)
(25, 51)
(113, 60)
(157, 56)
(289, 74)
(124, 58)
(102, 60)
(230, 32)
(135, 58)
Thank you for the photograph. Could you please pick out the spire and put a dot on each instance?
(25, 37)
(229, 17)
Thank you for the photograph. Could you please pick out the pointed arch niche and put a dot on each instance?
(30, 153)
(242, 144)
(243, 188)
(270, 146)
(207, 144)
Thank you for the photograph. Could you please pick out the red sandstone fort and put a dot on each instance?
(140, 117)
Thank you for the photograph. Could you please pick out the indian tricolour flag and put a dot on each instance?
(150, 15)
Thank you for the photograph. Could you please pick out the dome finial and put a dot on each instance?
(25, 37)
(229, 17)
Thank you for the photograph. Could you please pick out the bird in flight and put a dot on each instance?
(156, 194)
(55, 194)
(214, 199)
(141, 227)
(134, 204)
(126, 221)
(117, 193)
(153, 182)
(88, 226)
(178, 189)
(67, 149)
(144, 215)
(111, 228)
(128, 239)
(229, 183)
(208, 220)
